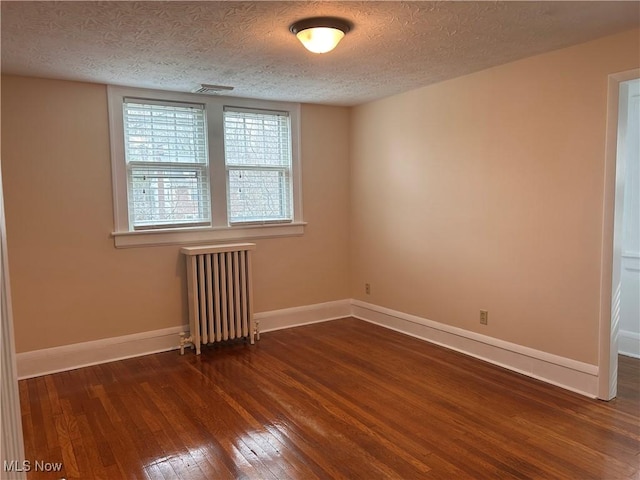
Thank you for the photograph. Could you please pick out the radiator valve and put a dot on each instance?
(184, 340)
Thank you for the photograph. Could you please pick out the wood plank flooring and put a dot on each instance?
(336, 400)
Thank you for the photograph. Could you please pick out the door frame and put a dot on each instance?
(11, 440)
(611, 242)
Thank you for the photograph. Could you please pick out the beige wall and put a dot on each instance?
(70, 284)
(483, 192)
(486, 192)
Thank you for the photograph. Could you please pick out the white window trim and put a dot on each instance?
(220, 229)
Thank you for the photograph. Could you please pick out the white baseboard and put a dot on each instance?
(564, 372)
(70, 357)
(297, 316)
(629, 343)
(77, 355)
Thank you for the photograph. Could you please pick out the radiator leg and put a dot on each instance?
(257, 331)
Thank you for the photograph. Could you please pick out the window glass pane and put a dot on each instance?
(259, 195)
(162, 197)
(166, 157)
(256, 138)
(164, 133)
(258, 158)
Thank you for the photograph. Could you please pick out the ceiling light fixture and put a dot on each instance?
(320, 34)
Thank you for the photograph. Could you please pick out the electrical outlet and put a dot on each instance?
(484, 317)
(367, 288)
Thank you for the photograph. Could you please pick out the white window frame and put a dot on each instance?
(220, 230)
(284, 169)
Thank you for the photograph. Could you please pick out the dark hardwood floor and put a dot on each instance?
(337, 400)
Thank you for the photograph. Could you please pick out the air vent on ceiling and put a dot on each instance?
(207, 89)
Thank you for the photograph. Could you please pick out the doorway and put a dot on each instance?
(629, 158)
(621, 241)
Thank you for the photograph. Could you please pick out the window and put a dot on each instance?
(189, 168)
(258, 159)
(167, 165)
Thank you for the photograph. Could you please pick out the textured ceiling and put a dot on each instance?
(394, 46)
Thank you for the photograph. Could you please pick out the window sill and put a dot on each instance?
(150, 238)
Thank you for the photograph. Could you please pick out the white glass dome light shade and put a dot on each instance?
(320, 34)
(320, 39)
